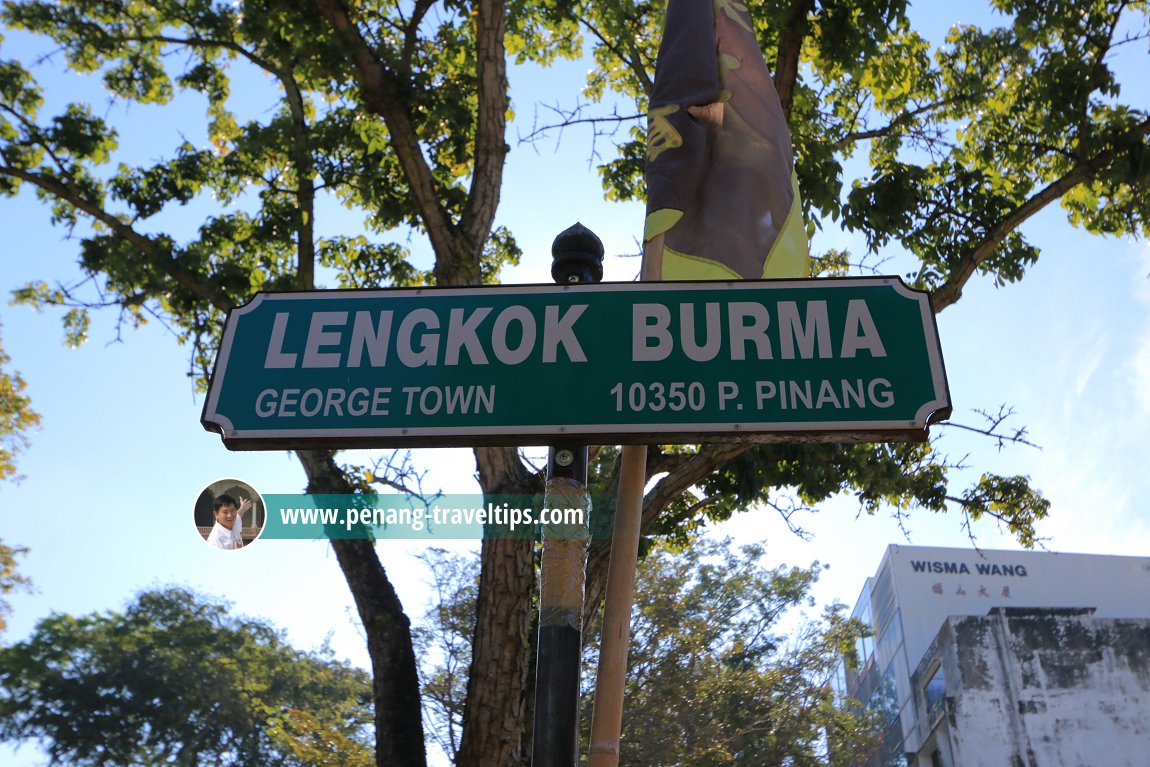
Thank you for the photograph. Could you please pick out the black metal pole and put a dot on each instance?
(577, 258)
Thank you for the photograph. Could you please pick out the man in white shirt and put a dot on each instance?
(227, 531)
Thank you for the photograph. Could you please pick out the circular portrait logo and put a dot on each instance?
(229, 514)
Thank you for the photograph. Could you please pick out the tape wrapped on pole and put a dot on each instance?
(555, 742)
(565, 547)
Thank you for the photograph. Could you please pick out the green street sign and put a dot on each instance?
(842, 360)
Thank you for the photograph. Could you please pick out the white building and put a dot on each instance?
(915, 591)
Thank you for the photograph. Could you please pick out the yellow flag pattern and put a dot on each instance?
(722, 194)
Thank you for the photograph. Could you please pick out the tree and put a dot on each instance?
(16, 419)
(175, 680)
(443, 642)
(718, 663)
(400, 111)
(10, 579)
(721, 671)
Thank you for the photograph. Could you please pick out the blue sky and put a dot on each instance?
(110, 481)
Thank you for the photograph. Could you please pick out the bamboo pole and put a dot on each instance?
(607, 717)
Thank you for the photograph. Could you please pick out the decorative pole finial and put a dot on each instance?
(577, 256)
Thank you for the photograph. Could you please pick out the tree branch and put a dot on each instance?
(951, 290)
(305, 186)
(569, 118)
(633, 60)
(994, 421)
(197, 42)
(382, 97)
(899, 121)
(304, 190)
(397, 472)
(790, 47)
(687, 474)
(411, 29)
(163, 263)
(490, 144)
(661, 462)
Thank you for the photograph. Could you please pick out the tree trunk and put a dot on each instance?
(395, 679)
(496, 715)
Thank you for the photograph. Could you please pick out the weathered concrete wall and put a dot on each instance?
(1048, 688)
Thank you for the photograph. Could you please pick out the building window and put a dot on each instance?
(839, 683)
(933, 695)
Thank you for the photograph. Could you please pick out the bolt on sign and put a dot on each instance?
(832, 360)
